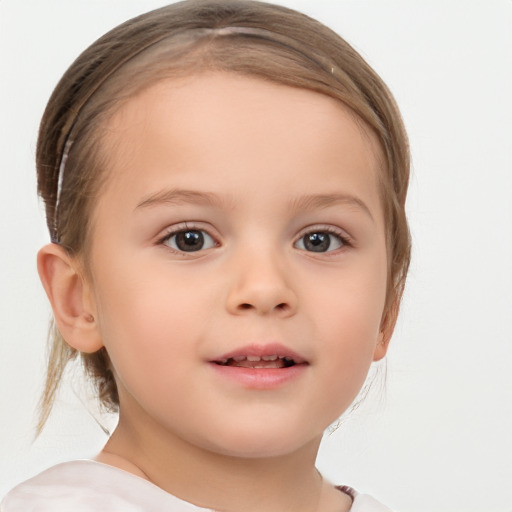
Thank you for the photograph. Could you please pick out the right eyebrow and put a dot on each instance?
(179, 196)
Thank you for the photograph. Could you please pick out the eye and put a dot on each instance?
(320, 241)
(189, 240)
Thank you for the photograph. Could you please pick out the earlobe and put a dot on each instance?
(386, 330)
(67, 291)
(381, 348)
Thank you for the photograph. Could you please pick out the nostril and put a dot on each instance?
(283, 306)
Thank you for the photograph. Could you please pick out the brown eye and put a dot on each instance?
(190, 240)
(320, 241)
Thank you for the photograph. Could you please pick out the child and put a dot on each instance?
(224, 184)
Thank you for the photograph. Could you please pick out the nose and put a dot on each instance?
(261, 285)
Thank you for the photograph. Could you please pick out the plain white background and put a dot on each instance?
(437, 436)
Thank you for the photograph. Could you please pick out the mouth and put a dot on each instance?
(269, 356)
(261, 367)
(273, 361)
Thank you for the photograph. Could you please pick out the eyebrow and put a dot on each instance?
(179, 196)
(314, 201)
(303, 203)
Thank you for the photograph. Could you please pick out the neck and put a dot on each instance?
(227, 483)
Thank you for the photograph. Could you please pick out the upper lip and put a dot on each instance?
(262, 351)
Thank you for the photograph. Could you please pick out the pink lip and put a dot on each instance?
(260, 378)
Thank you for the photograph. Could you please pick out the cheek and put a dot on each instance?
(149, 324)
(352, 340)
(350, 317)
(353, 299)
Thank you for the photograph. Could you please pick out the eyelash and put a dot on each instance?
(184, 228)
(344, 240)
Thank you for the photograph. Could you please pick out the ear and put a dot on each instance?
(70, 297)
(387, 327)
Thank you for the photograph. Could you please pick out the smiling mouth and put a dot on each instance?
(268, 362)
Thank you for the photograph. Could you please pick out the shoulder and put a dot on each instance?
(363, 502)
(87, 486)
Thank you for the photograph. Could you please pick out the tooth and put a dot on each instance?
(238, 359)
(253, 358)
(269, 358)
(222, 361)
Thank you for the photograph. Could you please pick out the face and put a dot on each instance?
(238, 262)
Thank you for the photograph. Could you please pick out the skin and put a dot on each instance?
(266, 165)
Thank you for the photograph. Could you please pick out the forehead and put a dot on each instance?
(203, 121)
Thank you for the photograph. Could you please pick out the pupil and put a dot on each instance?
(190, 241)
(317, 242)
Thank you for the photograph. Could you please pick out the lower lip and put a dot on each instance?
(260, 378)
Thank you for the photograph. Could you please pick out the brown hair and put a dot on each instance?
(241, 36)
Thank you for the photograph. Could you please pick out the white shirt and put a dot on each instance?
(89, 486)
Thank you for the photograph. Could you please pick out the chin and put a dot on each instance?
(257, 451)
(254, 442)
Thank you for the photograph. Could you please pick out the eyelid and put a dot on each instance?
(174, 229)
(347, 240)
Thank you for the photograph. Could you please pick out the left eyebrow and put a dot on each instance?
(179, 196)
(314, 201)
